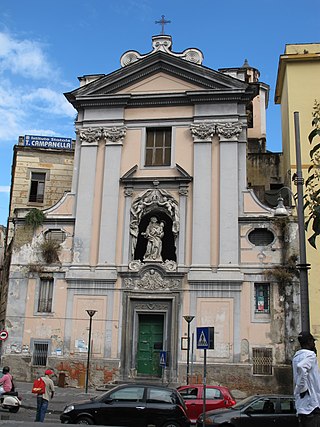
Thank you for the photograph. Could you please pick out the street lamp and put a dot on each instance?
(91, 313)
(280, 210)
(188, 319)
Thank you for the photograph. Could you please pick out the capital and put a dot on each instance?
(229, 130)
(203, 131)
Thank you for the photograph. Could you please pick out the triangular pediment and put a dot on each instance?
(157, 74)
(160, 83)
(131, 177)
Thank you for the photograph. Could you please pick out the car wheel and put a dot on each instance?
(14, 410)
(85, 420)
(171, 424)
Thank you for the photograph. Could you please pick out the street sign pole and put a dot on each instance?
(163, 362)
(204, 385)
(205, 341)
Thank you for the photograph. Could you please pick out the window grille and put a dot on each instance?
(40, 353)
(37, 187)
(158, 147)
(262, 361)
(45, 296)
(261, 237)
(57, 236)
(262, 297)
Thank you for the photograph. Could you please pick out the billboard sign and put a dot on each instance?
(52, 142)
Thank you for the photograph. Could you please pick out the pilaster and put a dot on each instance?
(110, 199)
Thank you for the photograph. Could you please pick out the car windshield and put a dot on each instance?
(244, 402)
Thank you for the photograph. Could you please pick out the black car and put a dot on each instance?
(270, 410)
(130, 405)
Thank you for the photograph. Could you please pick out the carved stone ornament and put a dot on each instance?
(128, 192)
(135, 265)
(94, 135)
(114, 134)
(152, 199)
(90, 135)
(168, 265)
(203, 131)
(229, 130)
(162, 43)
(152, 306)
(152, 281)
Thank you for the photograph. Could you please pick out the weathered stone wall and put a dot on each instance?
(264, 169)
(59, 169)
(239, 378)
(102, 371)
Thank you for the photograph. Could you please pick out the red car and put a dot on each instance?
(216, 397)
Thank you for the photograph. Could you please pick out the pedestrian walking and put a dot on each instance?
(306, 378)
(43, 399)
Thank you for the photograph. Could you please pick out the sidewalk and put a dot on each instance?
(62, 396)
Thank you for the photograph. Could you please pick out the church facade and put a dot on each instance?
(158, 225)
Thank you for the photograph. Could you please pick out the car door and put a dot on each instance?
(260, 413)
(161, 406)
(123, 407)
(193, 401)
(214, 398)
(287, 413)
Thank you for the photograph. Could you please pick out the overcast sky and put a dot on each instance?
(45, 45)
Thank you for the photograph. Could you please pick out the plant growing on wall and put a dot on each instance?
(312, 195)
(284, 274)
(35, 217)
(50, 251)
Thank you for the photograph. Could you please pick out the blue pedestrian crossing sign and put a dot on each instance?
(163, 358)
(205, 338)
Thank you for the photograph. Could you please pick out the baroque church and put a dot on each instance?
(158, 225)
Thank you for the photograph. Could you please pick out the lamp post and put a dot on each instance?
(280, 210)
(188, 319)
(91, 313)
(303, 266)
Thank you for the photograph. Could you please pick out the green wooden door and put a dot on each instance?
(150, 343)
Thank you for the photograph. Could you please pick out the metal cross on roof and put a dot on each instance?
(162, 22)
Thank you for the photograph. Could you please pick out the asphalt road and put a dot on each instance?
(27, 412)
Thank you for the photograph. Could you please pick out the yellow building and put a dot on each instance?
(298, 85)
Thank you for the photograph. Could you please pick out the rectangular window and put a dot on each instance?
(40, 353)
(37, 187)
(262, 361)
(158, 147)
(45, 296)
(262, 297)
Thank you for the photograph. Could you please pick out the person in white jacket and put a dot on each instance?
(306, 378)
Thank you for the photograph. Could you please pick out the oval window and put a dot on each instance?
(261, 237)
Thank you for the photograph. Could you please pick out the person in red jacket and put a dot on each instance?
(5, 380)
(43, 399)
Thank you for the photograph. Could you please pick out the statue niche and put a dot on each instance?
(154, 227)
(154, 233)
